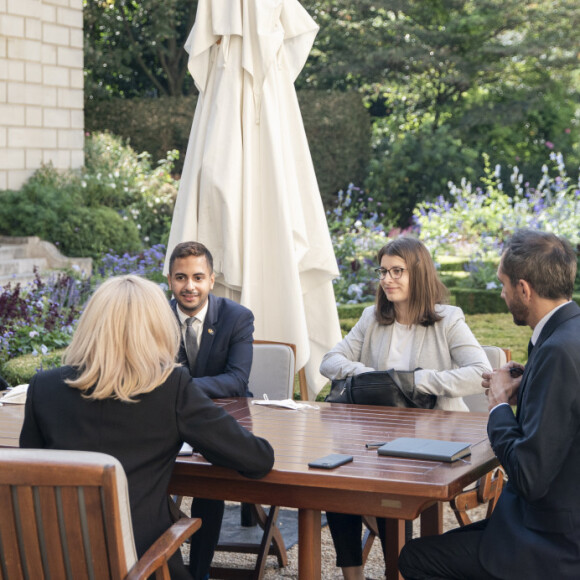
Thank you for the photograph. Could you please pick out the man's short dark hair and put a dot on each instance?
(186, 249)
(546, 261)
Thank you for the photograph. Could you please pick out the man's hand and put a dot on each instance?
(502, 384)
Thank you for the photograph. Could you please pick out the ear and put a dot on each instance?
(169, 281)
(525, 290)
(211, 280)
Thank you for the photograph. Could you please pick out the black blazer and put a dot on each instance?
(534, 531)
(144, 436)
(225, 351)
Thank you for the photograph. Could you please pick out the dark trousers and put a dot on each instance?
(450, 556)
(346, 531)
(205, 540)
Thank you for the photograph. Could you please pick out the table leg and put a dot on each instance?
(395, 540)
(432, 520)
(309, 558)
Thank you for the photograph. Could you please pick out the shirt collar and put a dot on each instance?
(540, 326)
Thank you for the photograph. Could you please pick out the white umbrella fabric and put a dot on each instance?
(248, 189)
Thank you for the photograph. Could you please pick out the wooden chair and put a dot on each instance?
(486, 490)
(489, 487)
(65, 514)
(273, 374)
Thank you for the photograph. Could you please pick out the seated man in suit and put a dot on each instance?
(534, 531)
(217, 337)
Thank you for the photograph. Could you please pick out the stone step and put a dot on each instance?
(22, 266)
(11, 252)
(20, 256)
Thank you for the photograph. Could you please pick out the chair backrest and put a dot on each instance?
(65, 514)
(273, 370)
(497, 357)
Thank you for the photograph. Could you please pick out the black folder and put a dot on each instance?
(433, 449)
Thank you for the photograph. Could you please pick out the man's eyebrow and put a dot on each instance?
(194, 274)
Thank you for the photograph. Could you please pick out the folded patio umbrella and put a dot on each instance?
(248, 189)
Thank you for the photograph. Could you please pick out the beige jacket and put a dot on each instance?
(450, 357)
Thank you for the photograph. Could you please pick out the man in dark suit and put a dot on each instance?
(534, 531)
(217, 336)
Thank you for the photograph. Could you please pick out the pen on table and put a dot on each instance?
(374, 444)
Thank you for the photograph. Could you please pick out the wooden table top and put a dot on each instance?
(394, 487)
(402, 487)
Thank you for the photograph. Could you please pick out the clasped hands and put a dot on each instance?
(501, 385)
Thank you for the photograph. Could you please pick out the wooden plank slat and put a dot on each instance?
(73, 532)
(97, 533)
(10, 552)
(24, 511)
(50, 532)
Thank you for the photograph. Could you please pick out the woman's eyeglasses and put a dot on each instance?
(395, 273)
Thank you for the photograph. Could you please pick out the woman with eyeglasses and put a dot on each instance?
(410, 328)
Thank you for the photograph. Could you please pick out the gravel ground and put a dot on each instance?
(374, 568)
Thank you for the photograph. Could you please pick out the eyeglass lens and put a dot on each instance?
(394, 273)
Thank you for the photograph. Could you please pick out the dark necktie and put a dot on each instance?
(530, 347)
(190, 342)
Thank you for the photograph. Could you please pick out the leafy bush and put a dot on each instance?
(50, 206)
(117, 177)
(117, 203)
(148, 263)
(21, 369)
(415, 165)
(337, 127)
(37, 320)
(41, 316)
(478, 220)
(357, 236)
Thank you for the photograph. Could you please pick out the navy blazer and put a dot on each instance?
(225, 352)
(534, 531)
(144, 436)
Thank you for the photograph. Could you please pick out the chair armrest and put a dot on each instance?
(155, 558)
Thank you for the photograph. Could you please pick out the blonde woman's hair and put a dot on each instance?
(126, 341)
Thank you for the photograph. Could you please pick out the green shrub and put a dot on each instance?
(50, 206)
(91, 231)
(116, 176)
(153, 125)
(337, 127)
(21, 369)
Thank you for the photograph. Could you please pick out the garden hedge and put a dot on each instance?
(21, 369)
(471, 301)
(337, 126)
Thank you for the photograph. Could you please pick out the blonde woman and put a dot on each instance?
(121, 392)
(409, 327)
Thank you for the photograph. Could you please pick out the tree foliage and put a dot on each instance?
(444, 80)
(449, 79)
(135, 47)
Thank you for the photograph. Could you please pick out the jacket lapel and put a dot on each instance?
(562, 315)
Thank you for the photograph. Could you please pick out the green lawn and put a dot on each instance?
(500, 330)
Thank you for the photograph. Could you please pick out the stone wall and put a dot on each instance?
(41, 87)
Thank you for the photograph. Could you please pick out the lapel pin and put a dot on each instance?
(211, 330)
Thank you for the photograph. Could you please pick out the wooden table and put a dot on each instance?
(394, 488)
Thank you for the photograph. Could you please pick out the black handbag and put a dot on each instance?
(385, 388)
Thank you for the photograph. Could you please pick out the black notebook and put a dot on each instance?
(433, 449)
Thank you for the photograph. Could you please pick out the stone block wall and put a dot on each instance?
(41, 87)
